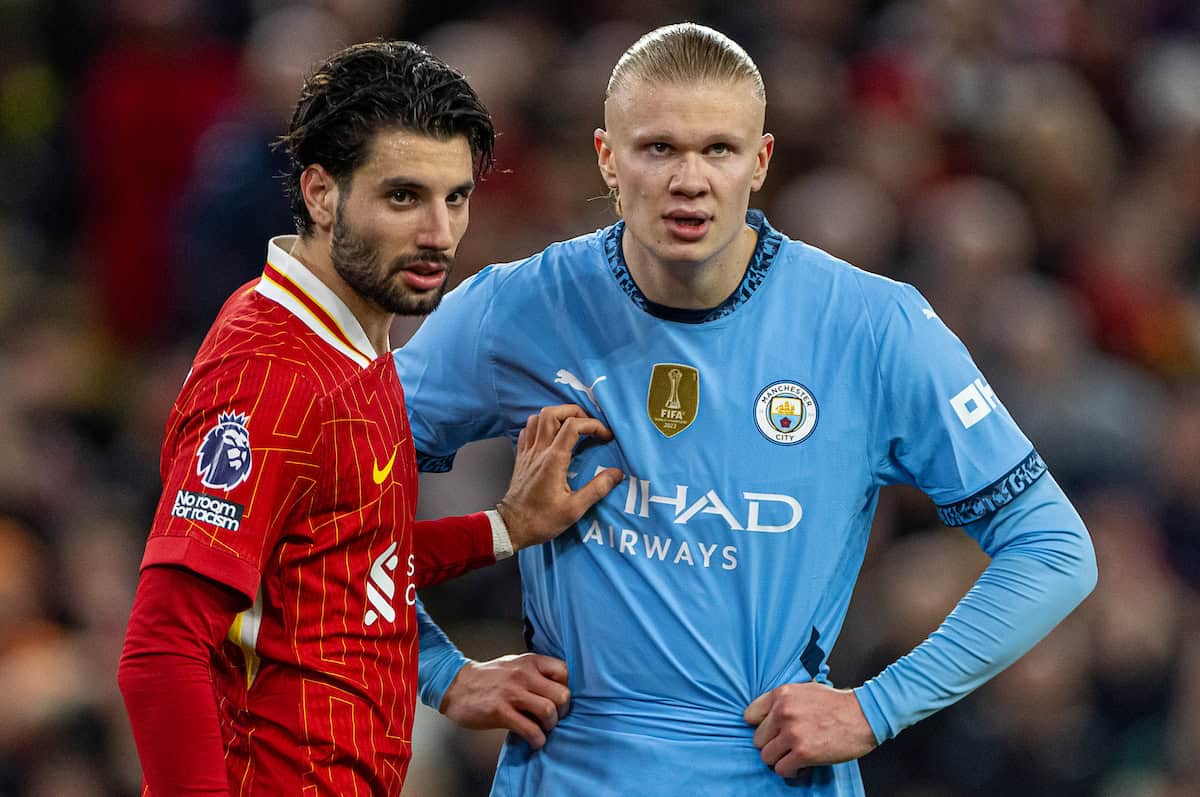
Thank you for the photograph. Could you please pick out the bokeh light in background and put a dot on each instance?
(1032, 165)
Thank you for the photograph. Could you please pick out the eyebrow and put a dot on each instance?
(397, 183)
(650, 134)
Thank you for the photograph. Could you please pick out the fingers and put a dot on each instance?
(524, 727)
(574, 428)
(560, 412)
(526, 694)
(533, 713)
(540, 503)
(775, 749)
(562, 426)
(601, 485)
(544, 425)
(552, 683)
(767, 730)
(559, 697)
(773, 752)
(552, 668)
(541, 710)
(533, 425)
(766, 735)
(789, 766)
(757, 711)
(547, 689)
(551, 419)
(785, 762)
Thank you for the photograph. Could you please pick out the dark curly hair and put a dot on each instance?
(375, 86)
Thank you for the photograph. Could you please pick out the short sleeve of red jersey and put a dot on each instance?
(239, 464)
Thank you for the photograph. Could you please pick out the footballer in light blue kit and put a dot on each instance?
(760, 392)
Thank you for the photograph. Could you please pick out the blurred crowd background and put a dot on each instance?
(1033, 166)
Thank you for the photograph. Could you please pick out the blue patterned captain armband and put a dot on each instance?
(996, 495)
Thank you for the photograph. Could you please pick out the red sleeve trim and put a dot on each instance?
(221, 566)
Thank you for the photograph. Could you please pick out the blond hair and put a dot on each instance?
(685, 52)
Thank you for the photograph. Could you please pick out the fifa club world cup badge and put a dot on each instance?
(785, 412)
(673, 397)
(224, 456)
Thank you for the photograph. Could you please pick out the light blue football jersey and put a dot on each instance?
(755, 438)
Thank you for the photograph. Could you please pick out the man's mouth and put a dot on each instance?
(690, 226)
(424, 275)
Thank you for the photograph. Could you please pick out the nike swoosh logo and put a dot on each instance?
(380, 474)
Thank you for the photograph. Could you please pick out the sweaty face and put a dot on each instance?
(400, 218)
(684, 158)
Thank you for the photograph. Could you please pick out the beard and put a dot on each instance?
(356, 261)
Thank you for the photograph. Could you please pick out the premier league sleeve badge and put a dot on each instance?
(223, 461)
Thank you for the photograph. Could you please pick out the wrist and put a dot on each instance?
(448, 696)
(502, 544)
(512, 525)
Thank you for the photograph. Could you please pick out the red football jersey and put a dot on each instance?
(289, 474)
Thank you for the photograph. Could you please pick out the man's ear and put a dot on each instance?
(604, 157)
(765, 148)
(320, 192)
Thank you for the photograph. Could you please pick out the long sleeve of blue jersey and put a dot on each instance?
(439, 663)
(1042, 566)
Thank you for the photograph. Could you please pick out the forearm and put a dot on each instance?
(165, 679)
(450, 546)
(1042, 566)
(439, 663)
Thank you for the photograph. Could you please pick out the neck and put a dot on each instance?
(689, 285)
(376, 322)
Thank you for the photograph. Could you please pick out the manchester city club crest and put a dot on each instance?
(224, 456)
(785, 412)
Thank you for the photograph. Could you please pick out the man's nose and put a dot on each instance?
(690, 178)
(436, 231)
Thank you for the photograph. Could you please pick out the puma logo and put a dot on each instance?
(565, 377)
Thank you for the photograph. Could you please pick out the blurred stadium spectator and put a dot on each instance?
(1033, 165)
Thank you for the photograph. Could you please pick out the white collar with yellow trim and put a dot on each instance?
(303, 294)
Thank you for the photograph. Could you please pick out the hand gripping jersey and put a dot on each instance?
(755, 438)
(289, 475)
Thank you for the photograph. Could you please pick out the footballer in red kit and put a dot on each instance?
(288, 454)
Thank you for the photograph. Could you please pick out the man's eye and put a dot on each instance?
(457, 198)
(719, 149)
(660, 147)
(403, 196)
